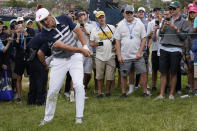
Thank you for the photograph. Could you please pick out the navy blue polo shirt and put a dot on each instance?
(63, 32)
(38, 43)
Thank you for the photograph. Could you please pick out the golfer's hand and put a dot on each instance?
(85, 52)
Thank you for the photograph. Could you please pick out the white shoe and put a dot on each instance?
(43, 122)
(72, 96)
(171, 97)
(66, 94)
(159, 97)
(179, 92)
(130, 92)
(79, 121)
(86, 97)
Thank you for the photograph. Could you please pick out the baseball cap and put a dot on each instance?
(19, 19)
(175, 4)
(41, 14)
(129, 8)
(13, 20)
(29, 21)
(122, 8)
(193, 9)
(141, 8)
(99, 13)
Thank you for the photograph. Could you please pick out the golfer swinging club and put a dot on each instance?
(58, 33)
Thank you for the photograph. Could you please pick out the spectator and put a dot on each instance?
(153, 31)
(101, 37)
(190, 41)
(171, 47)
(131, 31)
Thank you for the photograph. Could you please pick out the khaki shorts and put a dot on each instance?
(105, 68)
(195, 71)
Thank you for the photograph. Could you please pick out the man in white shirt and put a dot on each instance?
(130, 41)
(101, 37)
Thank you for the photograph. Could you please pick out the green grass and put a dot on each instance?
(109, 114)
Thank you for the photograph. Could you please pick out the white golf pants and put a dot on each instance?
(59, 68)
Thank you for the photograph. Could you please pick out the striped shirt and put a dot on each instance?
(62, 32)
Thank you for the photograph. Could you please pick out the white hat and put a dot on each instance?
(141, 8)
(41, 14)
(29, 21)
(19, 19)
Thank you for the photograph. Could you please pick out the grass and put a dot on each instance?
(109, 114)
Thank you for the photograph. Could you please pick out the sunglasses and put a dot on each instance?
(172, 8)
(129, 12)
(20, 22)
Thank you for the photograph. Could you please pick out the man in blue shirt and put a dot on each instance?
(58, 33)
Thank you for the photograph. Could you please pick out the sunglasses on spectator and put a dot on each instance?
(172, 8)
(20, 22)
(129, 12)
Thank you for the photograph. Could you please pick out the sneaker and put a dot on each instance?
(145, 95)
(159, 97)
(66, 94)
(72, 96)
(154, 88)
(171, 97)
(79, 121)
(179, 92)
(43, 122)
(148, 92)
(108, 95)
(100, 96)
(123, 96)
(19, 101)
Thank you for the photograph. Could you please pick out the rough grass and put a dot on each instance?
(109, 114)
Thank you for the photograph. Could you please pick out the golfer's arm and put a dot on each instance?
(80, 35)
(61, 46)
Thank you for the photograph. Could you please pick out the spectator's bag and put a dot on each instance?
(6, 92)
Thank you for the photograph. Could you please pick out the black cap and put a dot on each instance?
(157, 8)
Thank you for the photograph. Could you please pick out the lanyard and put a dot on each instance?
(131, 29)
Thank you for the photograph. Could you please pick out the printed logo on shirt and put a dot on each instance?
(102, 36)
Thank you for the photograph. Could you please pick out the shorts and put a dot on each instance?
(155, 61)
(138, 64)
(19, 67)
(169, 61)
(105, 69)
(87, 65)
(195, 71)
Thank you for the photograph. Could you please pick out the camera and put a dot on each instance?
(100, 44)
(113, 42)
(157, 22)
(167, 19)
(82, 25)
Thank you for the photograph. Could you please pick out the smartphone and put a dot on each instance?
(156, 22)
(100, 44)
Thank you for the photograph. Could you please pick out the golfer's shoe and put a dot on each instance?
(43, 122)
(79, 120)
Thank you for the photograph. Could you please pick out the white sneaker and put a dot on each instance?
(66, 94)
(43, 122)
(79, 121)
(179, 92)
(171, 97)
(72, 96)
(159, 97)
